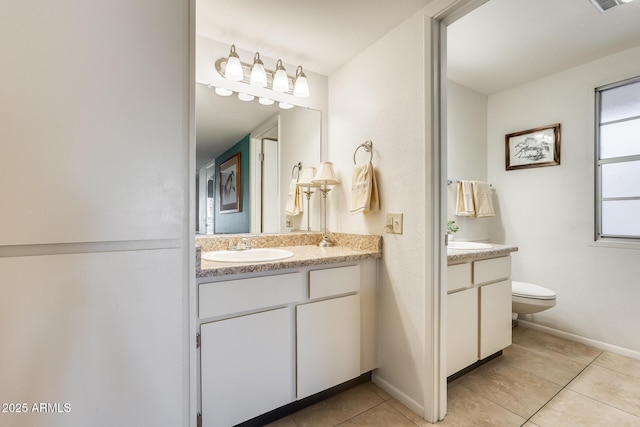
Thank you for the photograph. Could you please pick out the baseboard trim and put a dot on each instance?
(293, 407)
(397, 394)
(583, 340)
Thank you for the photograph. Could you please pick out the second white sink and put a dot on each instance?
(468, 246)
(249, 255)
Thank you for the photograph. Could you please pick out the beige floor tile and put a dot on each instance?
(613, 388)
(530, 424)
(619, 363)
(339, 408)
(381, 415)
(517, 330)
(377, 390)
(283, 422)
(468, 409)
(572, 409)
(415, 418)
(558, 369)
(514, 389)
(552, 345)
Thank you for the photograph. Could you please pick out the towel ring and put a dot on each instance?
(293, 171)
(368, 147)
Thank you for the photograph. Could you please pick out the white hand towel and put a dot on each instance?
(364, 190)
(482, 199)
(464, 202)
(294, 199)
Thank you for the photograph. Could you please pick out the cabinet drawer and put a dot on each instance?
(458, 277)
(233, 296)
(334, 281)
(491, 270)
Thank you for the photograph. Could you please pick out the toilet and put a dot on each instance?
(527, 298)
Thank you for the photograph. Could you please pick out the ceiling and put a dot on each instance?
(501, 44)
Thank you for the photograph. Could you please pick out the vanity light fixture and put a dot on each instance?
(604, 5)
(233, 70)
(280, 78)
(325, 177)
(301, 86)
(258, 74)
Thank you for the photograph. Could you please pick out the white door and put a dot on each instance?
(270, 187)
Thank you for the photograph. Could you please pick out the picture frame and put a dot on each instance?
(533, 148)
(230, 189)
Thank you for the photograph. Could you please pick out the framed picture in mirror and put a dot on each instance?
(230, 185)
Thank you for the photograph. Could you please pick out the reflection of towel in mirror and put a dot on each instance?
(364, 191)
(464, 202)
(482, 199)
(294, 199)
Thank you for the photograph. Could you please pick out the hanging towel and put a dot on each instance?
(482, 199)
(364, 190)
(464, 202)
(294, 199)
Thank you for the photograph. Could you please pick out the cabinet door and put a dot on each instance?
(328, 337)
(495, 318)
(246, 367)
(462, 330)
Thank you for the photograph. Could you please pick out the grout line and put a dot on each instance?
(563, 387)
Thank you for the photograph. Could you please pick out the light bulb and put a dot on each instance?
(258, 75)
(280, 79)
(285, 105)
(266, 101)
(301, 86)
(233, 69)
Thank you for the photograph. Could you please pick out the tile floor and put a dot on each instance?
(540, 380)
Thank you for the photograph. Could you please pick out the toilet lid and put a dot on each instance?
(529, 290)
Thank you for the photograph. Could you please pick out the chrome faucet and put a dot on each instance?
(243, 244)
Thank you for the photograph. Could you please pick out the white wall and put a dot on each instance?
(374, 98)
(466, 153)
(548, 212)
(95, 243)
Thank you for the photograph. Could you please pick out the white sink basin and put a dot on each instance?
(468, 246)
(249, 255)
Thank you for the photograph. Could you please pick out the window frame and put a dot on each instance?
(598, 235)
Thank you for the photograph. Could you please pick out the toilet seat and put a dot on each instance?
(531, 291)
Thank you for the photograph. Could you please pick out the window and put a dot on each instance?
(618, 160)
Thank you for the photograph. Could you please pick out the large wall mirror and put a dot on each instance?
(270, 142)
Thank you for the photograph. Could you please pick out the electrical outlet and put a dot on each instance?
(393, 224)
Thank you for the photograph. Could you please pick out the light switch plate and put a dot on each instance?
(393, 224)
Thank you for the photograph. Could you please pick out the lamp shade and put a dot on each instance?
(306, 179)
(258, 74)
(326, 175)
(301, 85)
(280, 78)
(233, 69)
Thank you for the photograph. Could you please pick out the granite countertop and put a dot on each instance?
(456, 256)
(348, 248)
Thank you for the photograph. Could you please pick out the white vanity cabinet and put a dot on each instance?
(268, 339)
(478, 310)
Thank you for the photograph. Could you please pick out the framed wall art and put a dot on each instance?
(533, 148)
(230, 188)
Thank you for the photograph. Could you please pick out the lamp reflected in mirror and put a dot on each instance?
(306, 183)
(326, 176)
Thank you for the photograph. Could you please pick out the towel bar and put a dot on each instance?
(368, 147)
